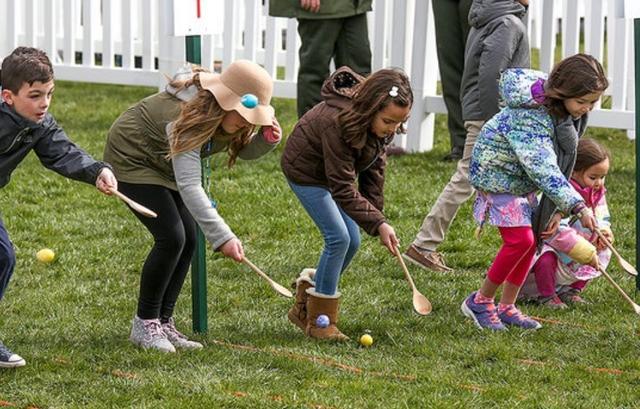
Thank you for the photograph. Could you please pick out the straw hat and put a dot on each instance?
(245, 87)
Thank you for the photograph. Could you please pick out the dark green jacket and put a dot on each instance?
(328, 9)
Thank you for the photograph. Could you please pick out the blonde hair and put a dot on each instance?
(200, 121)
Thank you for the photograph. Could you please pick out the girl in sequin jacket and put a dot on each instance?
(518, 153)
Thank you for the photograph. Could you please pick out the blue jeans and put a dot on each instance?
(341, 235)
(7, 259)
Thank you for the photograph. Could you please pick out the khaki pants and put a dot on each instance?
(457, 191)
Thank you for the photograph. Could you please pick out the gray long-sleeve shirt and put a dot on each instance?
(187, 169)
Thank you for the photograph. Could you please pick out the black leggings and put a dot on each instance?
(174, 235)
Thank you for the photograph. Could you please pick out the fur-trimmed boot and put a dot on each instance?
(318, 304)
(298, 312)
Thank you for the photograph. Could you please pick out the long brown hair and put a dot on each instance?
(573, 77)
(590, 153)
(200, 120)
(373, 95)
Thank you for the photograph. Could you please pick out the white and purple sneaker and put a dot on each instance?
(483, 314)
(149, 335)
(177, 338)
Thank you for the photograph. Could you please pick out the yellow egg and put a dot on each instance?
(45, 256)
(366, 340)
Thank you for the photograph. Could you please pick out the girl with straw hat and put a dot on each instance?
(156, 147)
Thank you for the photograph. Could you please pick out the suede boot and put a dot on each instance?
(328, 305)
(298, 312)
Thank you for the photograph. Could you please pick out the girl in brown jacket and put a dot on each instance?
(334, 161)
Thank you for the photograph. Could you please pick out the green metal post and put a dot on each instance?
(636, 36)
(199, 262)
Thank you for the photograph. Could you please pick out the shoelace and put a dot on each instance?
(4, 351)
(169, 327)
(491, 312)
(153, 328)
(516, 313)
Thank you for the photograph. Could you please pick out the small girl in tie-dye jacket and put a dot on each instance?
(561, 271)
(519, 152)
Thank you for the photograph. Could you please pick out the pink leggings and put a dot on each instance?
(514, 258)
(545, 274)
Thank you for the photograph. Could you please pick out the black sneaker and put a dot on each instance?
(393, 150)
(8, 359)
(454, 156)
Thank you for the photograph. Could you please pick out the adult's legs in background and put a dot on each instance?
(318, 38)
(452, 28)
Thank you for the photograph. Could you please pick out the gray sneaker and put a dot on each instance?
(430, 260)
(8, 359)
(178, 339)
(149, 334)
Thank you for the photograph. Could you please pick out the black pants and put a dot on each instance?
(452, 28)
(345, 40)
(174, 235)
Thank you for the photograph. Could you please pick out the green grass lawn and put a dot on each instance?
(71, 319)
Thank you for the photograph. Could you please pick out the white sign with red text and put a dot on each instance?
(193, 17)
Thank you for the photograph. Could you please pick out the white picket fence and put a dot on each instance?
(135, 42)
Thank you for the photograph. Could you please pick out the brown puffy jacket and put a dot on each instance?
(317, 155)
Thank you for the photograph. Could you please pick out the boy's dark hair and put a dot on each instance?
(590, 153)
(25, 64)
(373, 95)
(573, 77)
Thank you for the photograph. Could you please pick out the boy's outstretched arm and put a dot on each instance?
(58, 153)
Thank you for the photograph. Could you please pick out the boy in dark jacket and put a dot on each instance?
(497, 40)
(27, 86)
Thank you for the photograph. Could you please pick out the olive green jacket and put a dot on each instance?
(138, 144)
(328, 9)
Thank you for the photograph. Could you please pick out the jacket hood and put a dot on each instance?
(185, 94)
(591, 196)
(338, 89)
(484, 11)
(522, 87)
